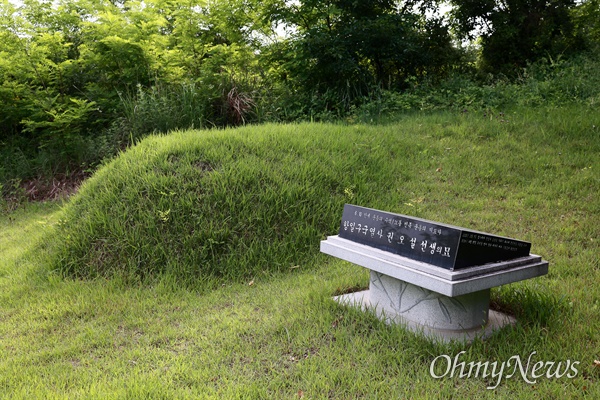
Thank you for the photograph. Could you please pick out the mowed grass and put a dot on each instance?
(276, 333)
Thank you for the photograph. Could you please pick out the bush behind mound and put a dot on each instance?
(222, 203)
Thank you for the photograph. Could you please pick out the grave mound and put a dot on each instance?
(229, 204)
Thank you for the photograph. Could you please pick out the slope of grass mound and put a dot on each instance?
(233, 204)
(229, 203)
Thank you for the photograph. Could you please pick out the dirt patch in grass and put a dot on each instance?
(59, 186)
(41, 189)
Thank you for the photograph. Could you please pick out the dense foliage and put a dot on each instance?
(80, 80)
(344, 43)
(70, 70)
(514, 32)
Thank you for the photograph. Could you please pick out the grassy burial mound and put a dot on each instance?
(222, 203)
(237, 203)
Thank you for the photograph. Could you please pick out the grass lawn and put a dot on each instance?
(533, 175)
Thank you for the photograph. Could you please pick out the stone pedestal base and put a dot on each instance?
(435, 315)
(442, 304)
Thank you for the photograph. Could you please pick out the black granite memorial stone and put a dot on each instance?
(441, 245)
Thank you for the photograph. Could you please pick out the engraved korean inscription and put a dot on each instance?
(438, 244)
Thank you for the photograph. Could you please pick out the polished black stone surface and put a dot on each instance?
(438, 244)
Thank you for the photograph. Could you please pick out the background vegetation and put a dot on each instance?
(81, 80)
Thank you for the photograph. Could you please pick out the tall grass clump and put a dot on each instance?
(163, 108)
(224, 203)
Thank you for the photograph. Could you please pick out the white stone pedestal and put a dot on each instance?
(442, 304)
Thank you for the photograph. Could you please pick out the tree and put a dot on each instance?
(587, 21)
(514, 32)
(362, 44)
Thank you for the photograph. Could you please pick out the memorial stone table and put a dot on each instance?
(430, 277)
